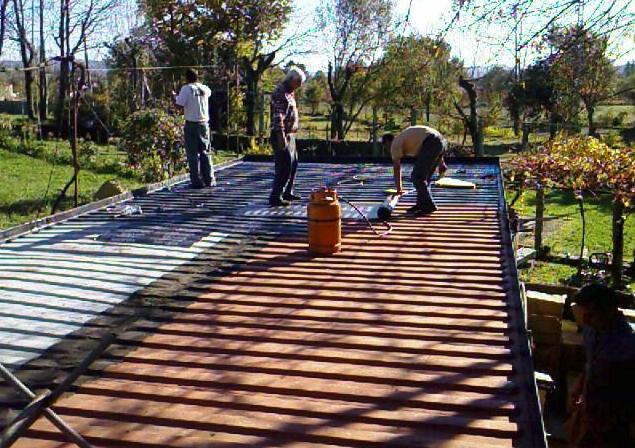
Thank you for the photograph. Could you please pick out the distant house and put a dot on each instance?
(7, 93)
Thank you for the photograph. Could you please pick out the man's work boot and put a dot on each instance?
(291, 197)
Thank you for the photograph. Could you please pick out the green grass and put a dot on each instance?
(563, 234)
(25, 181)
(614, 109)
(546, 273)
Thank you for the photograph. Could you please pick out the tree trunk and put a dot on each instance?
(43, 87)
(26, 53)
(337, 121)
(473, 122)
(428, 104)
(374, 133)
(618, 244)
(553, 125)
(250, 100)
(517, 125)
(3, 22)
(28, 90)
(60, 107)
(590, 111)
(524, 144)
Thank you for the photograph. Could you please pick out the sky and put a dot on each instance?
(480, 47)
(476, 47)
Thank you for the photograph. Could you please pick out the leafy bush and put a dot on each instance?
(496, 132)
(153, 141)
(259, 149)
(28, 136)
(6, 127)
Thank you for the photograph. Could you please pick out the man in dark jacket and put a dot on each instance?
(284, 126)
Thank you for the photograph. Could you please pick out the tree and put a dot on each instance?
(358, 31)
(27, 52)
(418, 72)
(586, 166)
(526, 21)
(581, 68)
(4, 8)
(77, 23)
(314, 91)
(234, 34)
(473, 124)
(494, 86)
(531, 98)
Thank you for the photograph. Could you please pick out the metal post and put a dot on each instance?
(32, 412)
(73, 435)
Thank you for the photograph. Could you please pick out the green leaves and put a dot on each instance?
(582, 164)
(152, 139)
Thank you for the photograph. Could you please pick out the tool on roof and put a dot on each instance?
(451, 182)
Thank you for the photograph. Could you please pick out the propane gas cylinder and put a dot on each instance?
(325, 222)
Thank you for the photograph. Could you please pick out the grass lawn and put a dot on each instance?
(31, 181)
(27, 195)
(564, 233)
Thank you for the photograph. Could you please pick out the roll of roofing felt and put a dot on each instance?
(450, 182)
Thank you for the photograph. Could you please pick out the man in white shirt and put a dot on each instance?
(194, 98)
(427, 146)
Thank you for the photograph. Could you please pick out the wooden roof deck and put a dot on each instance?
(412, 340)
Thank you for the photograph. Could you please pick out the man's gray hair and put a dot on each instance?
(295, 73)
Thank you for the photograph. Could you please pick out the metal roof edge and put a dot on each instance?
(47, 221)
(365, 159)
(537, 437)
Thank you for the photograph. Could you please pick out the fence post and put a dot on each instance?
(374, 132)
(618, 243)
(540, 213)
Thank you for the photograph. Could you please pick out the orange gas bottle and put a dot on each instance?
(325, 222)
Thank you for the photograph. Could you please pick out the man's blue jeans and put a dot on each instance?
(197, 143)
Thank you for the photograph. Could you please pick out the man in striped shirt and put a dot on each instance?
(284, 126)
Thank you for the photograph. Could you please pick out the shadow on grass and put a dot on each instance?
(561, 198)
(628, 135)
(41, 206)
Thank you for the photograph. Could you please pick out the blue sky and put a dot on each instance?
(476, 47)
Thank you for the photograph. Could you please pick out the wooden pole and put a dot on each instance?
(540, 215)
(618, 244)
(73, 435)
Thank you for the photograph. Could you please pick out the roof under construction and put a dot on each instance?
(236, 336)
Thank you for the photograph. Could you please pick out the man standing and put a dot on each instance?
(603, 402)
(284, 126)
(428, 147)
(193, 98)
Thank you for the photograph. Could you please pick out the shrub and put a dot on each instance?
(6, 127)
(153, 141)
(259, 149)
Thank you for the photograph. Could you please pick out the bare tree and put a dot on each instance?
(358, 30)
(27, 52)
(43, 87)
(3, 22)
(471, 122)
(527, 21)
(77, 23)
